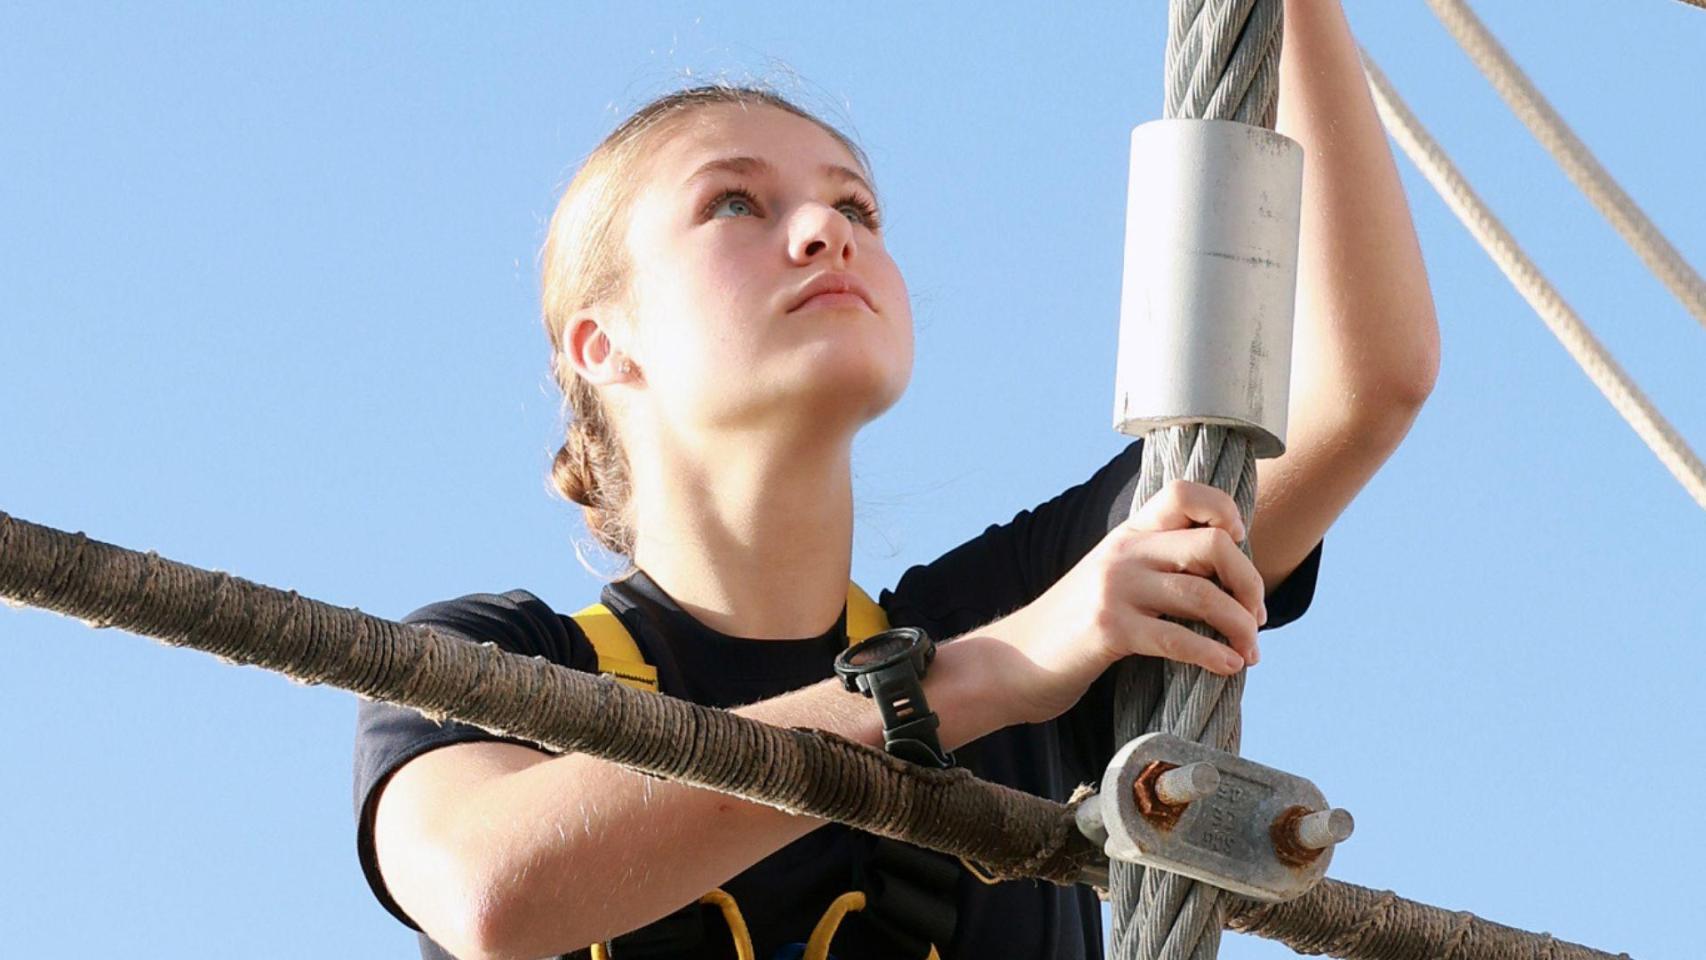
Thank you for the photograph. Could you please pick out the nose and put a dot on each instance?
(817, 230)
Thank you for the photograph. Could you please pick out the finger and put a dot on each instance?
(1207, 552)
(1182, 504)
(1196, 598)
(1163, 639)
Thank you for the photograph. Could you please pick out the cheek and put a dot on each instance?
(691, 342)
(901, 312)
(710, 294)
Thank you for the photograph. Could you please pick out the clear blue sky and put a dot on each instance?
(267, 304)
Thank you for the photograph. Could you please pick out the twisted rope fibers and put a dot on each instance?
(1577, 161)
(1171, 916)
(1222, 63)
(1222, 60)
(1595, 360)
(1339, 919)
(1011, 833)
(806, 771)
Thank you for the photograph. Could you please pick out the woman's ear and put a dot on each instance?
(589, 348)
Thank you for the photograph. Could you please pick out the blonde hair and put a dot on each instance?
(584, 262)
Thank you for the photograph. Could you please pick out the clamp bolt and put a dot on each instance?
(1193, 781)
(1300, 835)
(1163, 790)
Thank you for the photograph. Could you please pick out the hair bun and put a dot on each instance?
(572, 470)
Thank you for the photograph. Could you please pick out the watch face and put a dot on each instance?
(879, 650)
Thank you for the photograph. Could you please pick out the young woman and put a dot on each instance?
(723, 319)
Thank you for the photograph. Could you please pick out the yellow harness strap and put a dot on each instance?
(619, 657)
(864, 618)
(817, 948)
(720, 899)
(618, 654)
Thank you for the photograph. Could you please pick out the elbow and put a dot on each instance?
(449, 895)
(473, 927)
(489, 926)
(1405, 381)
(1414, 384)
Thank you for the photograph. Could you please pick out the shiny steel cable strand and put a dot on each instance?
(1222, 63)
(1591, 355)
(1577, 161)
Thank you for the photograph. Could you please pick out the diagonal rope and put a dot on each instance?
(1591, 355)
(1222, 63)
(805, 771)
(1577, 161)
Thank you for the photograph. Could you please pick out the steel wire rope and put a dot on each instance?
(1222, 63)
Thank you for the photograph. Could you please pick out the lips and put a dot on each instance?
(832, 287)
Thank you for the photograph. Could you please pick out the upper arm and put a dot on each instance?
(421, 846)
(422, 773)
(1329, 458)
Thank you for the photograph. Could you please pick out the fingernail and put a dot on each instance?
(1264, 617)
(1234, 662)
(1255, 655)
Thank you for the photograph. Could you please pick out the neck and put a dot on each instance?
(751, 536)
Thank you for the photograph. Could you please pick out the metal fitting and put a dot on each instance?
(1182, 807)
(1213, 210)
(1300, 834)
(1164, 790)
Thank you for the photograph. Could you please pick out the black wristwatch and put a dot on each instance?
(889, 668)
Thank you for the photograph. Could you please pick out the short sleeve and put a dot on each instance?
(388, 736)
(1013, 563)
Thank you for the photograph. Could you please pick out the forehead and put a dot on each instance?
(788, 141)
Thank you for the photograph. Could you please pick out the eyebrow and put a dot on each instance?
(755, 166)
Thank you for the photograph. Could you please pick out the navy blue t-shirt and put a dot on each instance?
(783, 895)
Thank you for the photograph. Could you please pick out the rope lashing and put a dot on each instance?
(809, 772)
(1222, 63)
(1011, 833)
(1344, 920)
(1577, 161)
(1595, 360)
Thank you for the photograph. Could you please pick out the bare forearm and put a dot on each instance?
(1365, 330)
(575, 849)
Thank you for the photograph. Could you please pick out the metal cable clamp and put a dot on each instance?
(1179, 806)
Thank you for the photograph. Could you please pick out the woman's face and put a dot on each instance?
(740, 209)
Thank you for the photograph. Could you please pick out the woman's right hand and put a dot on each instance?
(1176, 557)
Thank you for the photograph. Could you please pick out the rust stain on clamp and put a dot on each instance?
(1162, 814)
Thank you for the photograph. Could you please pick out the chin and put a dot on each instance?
(845, 392)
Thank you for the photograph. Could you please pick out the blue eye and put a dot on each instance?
(737, 202)
(863, 212)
